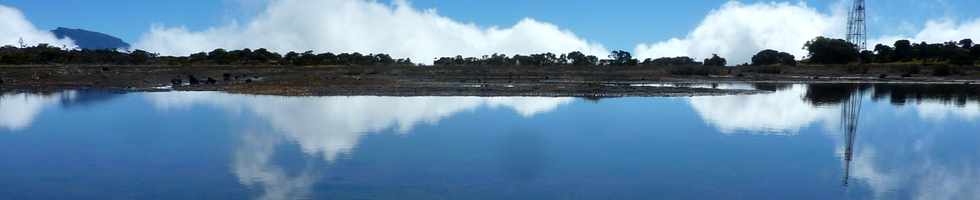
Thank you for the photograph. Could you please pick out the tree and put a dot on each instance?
(290, 58)
(772, 57)
(884, 53)
(140, 57)
(198, 57)
(46, 54)
(966, 43)
(307, 58)
(961, 57)
(383, 59)
(265, 56)
(866, 56)
(580, 59)
(824, 50)
(903, 50)
(975, 51)
(219, 56)
(929, 52)
(621, 58)
(12, 55)
(715, 60)
(675, 61)
(244, 56)
(444, 61)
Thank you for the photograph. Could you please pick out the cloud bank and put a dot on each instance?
(737, 31)
(368, 27)
(937, 30)
(14, 27)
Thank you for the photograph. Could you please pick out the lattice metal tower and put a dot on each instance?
(857, 28)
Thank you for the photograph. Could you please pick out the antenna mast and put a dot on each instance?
(857, 28)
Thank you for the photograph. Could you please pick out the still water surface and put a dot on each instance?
(798, 142)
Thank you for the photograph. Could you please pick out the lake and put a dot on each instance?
(821, 141)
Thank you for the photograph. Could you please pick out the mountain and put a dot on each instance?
(89, 39)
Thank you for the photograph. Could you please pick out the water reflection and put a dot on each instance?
(850, 117)
(794, 106)
(17, 111)
(802, 141)
(782, 112)
(911, 166)
(522, 155)
(331, 127)
(88, 98)
(933, 102)
(254, 167)
(897, 161)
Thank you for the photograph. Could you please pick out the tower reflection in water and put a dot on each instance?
(850, 116)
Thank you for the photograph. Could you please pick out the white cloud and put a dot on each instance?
(936, 31)
(14, 27)
(737, 31)
(367, 27)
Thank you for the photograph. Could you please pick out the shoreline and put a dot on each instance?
(422, 81)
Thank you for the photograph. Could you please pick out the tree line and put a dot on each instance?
(821, 50)
(575, 58)
(42, 54)
(824, 50)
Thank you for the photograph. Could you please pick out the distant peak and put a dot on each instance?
(86, 39)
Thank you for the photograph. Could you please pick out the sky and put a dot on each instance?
(647, 28)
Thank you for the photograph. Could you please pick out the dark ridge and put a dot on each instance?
(90, 40)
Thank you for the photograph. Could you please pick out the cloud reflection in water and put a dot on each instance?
(907, 161)
(330, 127)
(781, 112)
(17, 111)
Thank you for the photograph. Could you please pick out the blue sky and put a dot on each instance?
(617, 24)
